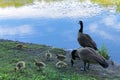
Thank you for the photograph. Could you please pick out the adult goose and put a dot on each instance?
(88, 55)
(84, 39)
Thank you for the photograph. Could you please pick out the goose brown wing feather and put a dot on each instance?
(90, 55)
(88, 37)
(86, 41)
(96, 56)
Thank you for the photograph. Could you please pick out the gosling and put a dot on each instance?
(40, 64)
(20, 65)
(19, 46)
(60, 57)
(61, 64)
(48, 55)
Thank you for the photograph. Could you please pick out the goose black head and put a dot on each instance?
(80, 22)
(81, 26)
(73, 54)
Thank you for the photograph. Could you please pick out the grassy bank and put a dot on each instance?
(10, 55)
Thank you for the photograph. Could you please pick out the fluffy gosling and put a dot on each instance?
(60, 57)
(20, 46)
(20, 65)
(48, 55)
(61, 64)
(40, 64)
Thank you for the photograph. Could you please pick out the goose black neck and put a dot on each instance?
(81, 27)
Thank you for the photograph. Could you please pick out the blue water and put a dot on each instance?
(60, 30)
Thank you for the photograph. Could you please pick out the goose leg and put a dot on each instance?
(88, 65)
(84, 67)
(72, 62)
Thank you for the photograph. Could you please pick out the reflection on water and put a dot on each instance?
(15, 3)
(56, 8)
(20, 3)
(36, 21)
(73, 9)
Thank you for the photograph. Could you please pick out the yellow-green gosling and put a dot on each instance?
(39, 64)
(48, 55)
(61, 64)
(60, 57)
(20, 65)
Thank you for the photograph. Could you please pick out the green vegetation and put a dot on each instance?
(19, 3)
(57, 51)
(105, 3)
(103, 51)
(108, 3)
(15, 3)
(9, 56)
(50, 0)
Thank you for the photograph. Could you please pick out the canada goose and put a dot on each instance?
(61, 64)
(48, 55)
(74, 56)
(40, 64)
(84, 39)
(20, 65)
(88, 55)
(60, 57)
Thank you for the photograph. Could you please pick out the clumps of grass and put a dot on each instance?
(51, 73)
(14, 60)
(10, 56)
(58, 51)
(103, 51)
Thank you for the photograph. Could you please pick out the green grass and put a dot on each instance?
(103, 51)
(9, 56)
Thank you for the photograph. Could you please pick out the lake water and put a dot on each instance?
(56, 24)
